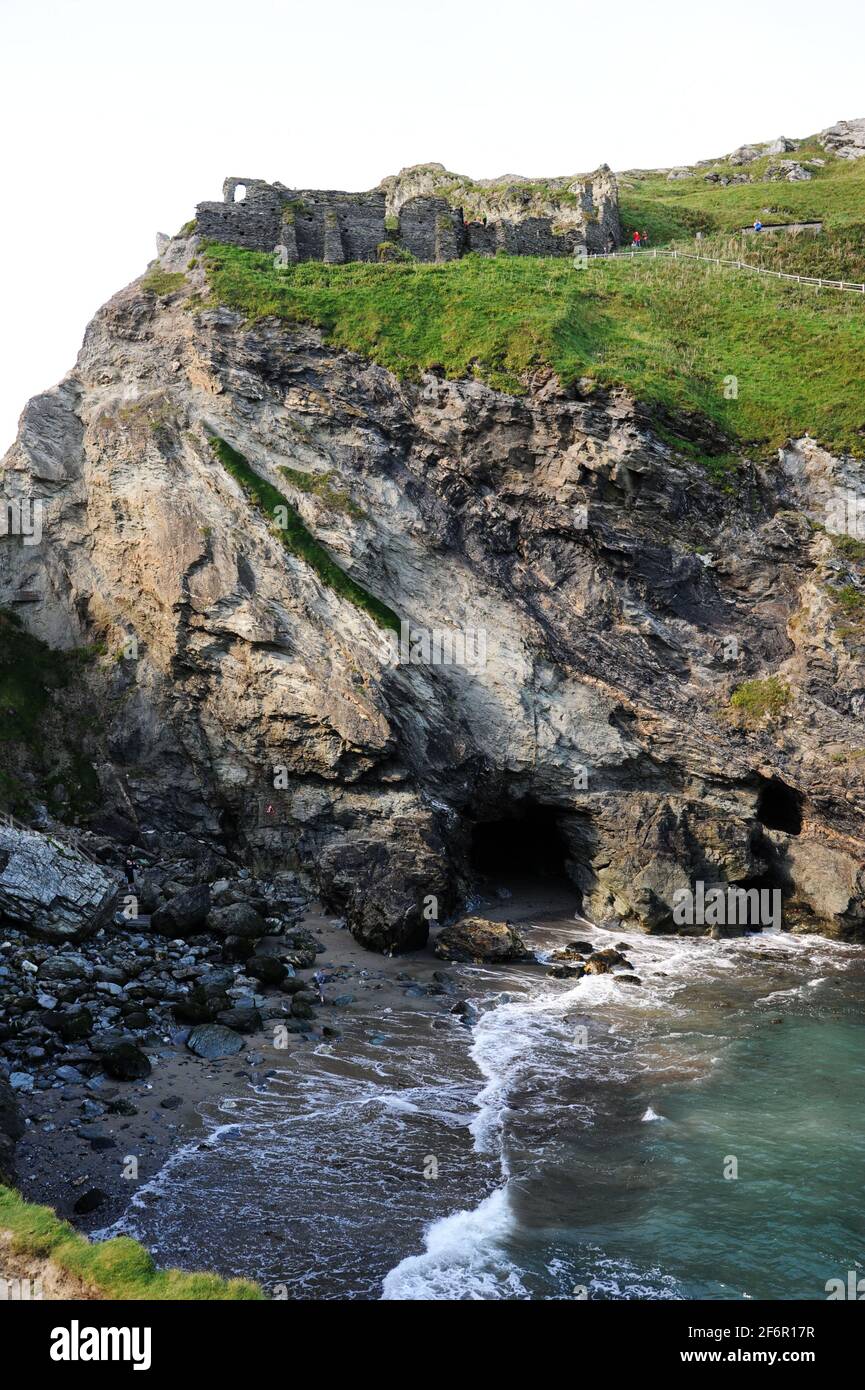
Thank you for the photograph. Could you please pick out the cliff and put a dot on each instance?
(239, 514)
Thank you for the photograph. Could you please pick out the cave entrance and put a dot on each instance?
(527, 843)
(779, 807)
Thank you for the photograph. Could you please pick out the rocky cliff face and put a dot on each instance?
(610, 596)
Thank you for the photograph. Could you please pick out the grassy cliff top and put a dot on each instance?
(116, 1269)
(761, 360)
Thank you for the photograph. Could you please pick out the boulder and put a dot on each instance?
(300, 949)
(184, 914)
(237, 920)
(846, 139)
(73, 1025)
(242, 1020)
(50, 889)
(267, 969)
(213, 1040)
(202, 1006)
(126, 1062)
(602, 962)
(481, 941)
(66, 965)
(745, 154)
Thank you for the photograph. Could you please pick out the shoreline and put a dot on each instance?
(389, 1006)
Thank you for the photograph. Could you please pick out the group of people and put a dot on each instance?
(639, 239)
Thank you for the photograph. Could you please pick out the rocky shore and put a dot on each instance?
(115, 1027)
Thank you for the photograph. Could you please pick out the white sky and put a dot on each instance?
(117, 117)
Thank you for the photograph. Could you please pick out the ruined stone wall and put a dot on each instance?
(317, 225)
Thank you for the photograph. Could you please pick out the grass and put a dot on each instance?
(849, 547)
(119, 1268)
(319, 485)
(849, 600)
(756, 700)
(836, 254)
(673, 333)
(296, 538)
(835, 195)
(161, 282)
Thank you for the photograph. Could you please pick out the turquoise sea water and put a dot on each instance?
(569, 1163)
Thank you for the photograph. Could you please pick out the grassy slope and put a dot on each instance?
(295, 536)
(670, 332)
(119, 1269)
(670, 210)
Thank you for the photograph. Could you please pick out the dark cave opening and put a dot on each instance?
(528, 843)
(779, 807)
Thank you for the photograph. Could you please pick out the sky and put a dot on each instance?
(118, 117)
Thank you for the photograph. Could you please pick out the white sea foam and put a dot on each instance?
(464, 1258)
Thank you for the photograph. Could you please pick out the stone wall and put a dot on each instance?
(318, 225)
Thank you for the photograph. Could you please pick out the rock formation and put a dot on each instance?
(846, 139)
(244, 699)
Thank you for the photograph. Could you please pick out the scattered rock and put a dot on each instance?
(240, 1019)
(213, 1040)
(237, 920)
(566, 972)
(125, 1062)
(267, 969)
(183, 915)
(481, 941)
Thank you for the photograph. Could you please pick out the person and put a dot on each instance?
(635, 241)
(644, 240)
(758, 225)
(129, 870)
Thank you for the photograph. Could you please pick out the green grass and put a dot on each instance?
(671, 210)
(160, 282)
(119, 1269)
(757, 699)
(849, 547)
(296, 538)
(835, 254)
(671, 332)
(850, 600)
(319, 485)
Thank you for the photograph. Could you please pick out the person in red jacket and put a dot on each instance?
(635, 241)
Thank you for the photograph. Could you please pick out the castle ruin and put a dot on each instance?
(425, 212)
